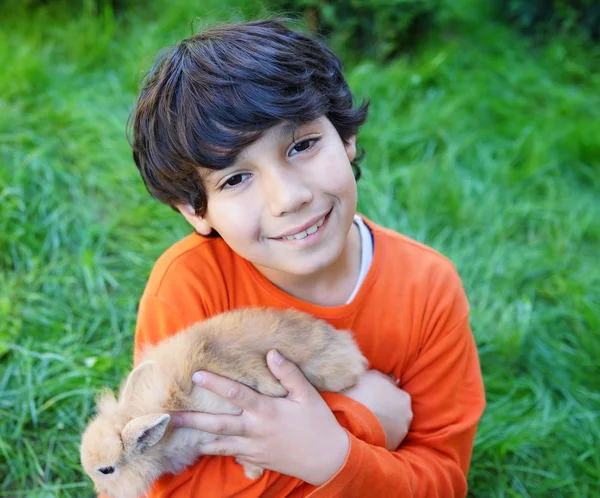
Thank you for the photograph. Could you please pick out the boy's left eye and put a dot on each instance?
(304, 145)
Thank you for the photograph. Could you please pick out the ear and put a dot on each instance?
(145, 431)
(200, 224)
(351, 148)
(139, 378)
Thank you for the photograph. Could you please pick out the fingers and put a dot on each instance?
(221, 425)
(290, 376)
(238, 394)
(227, 447)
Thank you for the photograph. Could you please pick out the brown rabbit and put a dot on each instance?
(130, 442)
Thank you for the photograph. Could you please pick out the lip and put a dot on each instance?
(301, 228)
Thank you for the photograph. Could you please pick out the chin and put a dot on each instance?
(314, 265)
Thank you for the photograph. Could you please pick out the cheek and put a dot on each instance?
(235, 220)
(335, 173)
(339, 182)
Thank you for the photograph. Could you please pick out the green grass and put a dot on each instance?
(483, 145)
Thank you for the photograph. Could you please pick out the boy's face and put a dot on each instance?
(279, 186)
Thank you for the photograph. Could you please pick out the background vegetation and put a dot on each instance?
(482, 142)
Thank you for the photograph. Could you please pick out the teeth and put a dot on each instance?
(298, 236)
(308, 231)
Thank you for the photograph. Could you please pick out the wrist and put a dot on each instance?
(330, 461)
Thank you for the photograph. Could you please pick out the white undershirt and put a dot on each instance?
(366, 253)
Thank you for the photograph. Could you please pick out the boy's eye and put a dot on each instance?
(304, 145)
(235, 180)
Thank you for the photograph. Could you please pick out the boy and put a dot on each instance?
(249, 131)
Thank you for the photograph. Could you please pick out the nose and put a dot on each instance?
(285, 191)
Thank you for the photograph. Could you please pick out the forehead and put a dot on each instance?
(102, 445)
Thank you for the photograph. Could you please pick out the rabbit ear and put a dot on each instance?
(137, 380)
(145, 431)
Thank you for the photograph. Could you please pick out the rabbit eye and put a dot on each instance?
(107, 470)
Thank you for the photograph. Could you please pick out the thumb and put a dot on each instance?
(290, 376)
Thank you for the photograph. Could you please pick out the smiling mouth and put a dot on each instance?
(305, 233)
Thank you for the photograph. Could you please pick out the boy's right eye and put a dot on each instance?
(235, 180)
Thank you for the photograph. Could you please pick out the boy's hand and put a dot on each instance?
(390, 404)
(297, 435)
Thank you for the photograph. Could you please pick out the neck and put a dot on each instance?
(331, 286)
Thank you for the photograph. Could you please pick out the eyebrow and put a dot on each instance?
(288, 129)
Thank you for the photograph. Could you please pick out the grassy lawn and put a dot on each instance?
(483, 145)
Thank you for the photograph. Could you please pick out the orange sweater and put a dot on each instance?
(410, 318)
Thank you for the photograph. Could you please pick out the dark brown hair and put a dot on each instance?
(213, 94)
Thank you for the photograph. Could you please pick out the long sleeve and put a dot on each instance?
(446, 387)
(156, 321)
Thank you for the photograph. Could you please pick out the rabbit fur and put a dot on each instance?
(130, 442)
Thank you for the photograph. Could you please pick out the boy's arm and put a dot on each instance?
(446, 388)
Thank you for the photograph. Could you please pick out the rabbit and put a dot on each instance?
(130, 442)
